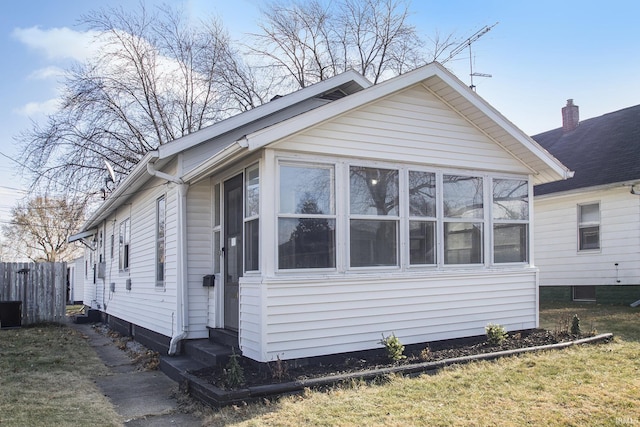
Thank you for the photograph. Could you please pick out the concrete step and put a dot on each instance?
(225, 337)
(206, 352)
(175, 366)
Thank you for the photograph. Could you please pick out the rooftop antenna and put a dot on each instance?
(467, 44)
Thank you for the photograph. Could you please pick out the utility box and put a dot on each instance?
(10, 314)
(209, 280)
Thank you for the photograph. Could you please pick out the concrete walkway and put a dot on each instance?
(142, 398)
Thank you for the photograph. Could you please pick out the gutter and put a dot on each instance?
(182, 291)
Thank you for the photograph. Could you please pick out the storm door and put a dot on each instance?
(233, 221)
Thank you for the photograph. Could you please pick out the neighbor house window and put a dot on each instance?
(510, 220)
(422, 218)
(306, 217)
(374, 216)
(124, 244)
(589, 226)
(251, 222)
(463, 219)
(160, 240)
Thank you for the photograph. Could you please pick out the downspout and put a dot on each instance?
(182, 295)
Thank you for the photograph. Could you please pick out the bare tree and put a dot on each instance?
(309, 41)
(40, 227)
(154, 78)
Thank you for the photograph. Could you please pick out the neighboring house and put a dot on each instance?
(587, 230)
(315, 223)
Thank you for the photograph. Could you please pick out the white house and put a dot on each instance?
(587, 229)
(326, 218)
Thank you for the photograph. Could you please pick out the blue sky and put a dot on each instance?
(539, 55)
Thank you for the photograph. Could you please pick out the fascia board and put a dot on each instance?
(259, 112)
(554, 164)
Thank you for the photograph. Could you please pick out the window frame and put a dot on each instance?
(511, 221)
(251, 218)
(589, 224)
(161, 213)
(333, 217)
(473, 221)
(395, 219)
(406, 217)
(124, 245)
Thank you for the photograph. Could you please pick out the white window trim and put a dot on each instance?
(343, 216)
(161, 283)
(587, 224)
(286, 161)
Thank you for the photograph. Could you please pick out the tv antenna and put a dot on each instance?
(467, 44)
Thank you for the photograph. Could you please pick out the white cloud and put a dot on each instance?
(58, 43)
(46, 73)
(34, 108)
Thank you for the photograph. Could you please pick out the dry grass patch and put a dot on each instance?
(585, 385)
(46, 374)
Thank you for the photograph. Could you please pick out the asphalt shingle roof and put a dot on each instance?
(602, 150)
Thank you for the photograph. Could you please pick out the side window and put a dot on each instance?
(251, 218)
(160, 239)
(589, 227)
(510, 220)
(306, 217)
(373, 216)
(124, 245)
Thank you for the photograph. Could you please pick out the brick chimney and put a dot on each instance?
(570, 116)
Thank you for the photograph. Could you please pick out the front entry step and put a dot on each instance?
(207, 352)
(225, 337)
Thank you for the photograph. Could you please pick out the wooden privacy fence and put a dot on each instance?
(41, 287)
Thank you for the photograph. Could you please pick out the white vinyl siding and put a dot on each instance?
(310, 317)
(145, 304)
(199, 256)
(412, 126)
(556, 251)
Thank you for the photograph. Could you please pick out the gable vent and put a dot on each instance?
(334, 95)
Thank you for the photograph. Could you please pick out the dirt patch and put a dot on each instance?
(280, 371)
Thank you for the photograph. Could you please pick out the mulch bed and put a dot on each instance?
(279, 371)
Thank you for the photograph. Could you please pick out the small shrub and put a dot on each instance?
(233, 373)
(425, 354)
(575, 325)
(394, 347)
(496, 334)
(279, 369)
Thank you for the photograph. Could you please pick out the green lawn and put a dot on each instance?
(587, 385)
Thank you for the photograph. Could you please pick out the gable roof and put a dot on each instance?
(260, 128)
(603, 150)
(446, 87)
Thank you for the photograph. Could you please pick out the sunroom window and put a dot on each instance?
(463, 219)
(374, 216)
(422, 218)
(510, 220)
(306, 219)
(251, 218)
